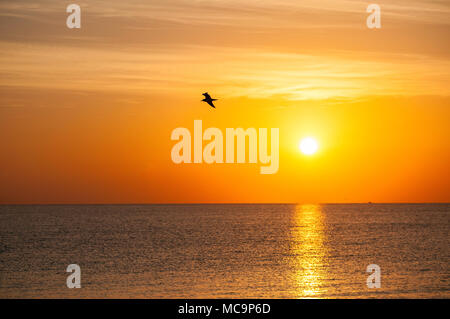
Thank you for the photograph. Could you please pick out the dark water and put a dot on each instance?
(225, 251)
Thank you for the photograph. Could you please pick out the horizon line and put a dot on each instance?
(215, 203)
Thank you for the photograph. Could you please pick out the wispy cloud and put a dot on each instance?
(233, 72)
(287, 13)
(259, 48)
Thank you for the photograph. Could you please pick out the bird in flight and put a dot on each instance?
(208, 99)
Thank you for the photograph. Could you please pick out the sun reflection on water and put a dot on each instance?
(308, 251)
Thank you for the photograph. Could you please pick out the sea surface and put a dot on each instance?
(225, 251)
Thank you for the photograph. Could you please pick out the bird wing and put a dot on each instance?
(207, 95)
(210, 103)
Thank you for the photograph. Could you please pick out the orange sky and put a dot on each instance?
(86, 115)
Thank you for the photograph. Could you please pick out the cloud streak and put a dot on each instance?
(232, 71)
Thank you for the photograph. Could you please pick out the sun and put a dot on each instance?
(308, 146)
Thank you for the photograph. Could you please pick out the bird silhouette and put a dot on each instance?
(208, 99)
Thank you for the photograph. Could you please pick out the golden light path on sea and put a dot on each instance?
(309, 251)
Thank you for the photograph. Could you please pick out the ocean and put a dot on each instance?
(225, 251)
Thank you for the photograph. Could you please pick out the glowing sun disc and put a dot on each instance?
(308, 146)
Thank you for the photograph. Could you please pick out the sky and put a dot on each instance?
(86, 114)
